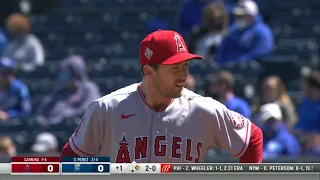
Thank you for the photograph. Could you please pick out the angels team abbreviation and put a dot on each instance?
(160, 148)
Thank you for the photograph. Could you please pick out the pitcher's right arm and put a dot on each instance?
(87, 138)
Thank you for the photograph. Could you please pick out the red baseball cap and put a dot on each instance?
(164, 47)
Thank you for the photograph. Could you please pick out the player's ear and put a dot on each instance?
(149, 71)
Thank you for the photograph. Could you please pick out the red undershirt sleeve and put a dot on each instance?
(67, 151)
(254, 151)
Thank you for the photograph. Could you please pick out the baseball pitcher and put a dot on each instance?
(158, 120)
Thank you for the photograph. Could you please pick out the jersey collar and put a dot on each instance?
(144, 100)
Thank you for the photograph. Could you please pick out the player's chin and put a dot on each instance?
(178, 91)
(176, 95)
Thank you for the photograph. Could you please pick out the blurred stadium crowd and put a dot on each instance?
(261, 61)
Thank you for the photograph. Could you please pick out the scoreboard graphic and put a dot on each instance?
(80, 166)
(102, 166)
(35, 165)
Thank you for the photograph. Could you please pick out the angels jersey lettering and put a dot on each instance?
(122, 126)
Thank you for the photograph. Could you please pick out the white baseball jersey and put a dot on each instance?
(122, 126)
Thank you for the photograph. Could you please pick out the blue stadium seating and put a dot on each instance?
(112, 30)
(108, 32)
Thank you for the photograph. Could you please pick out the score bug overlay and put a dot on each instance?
(135, 168)
(85, 166)
(102, 166)
(35, 165)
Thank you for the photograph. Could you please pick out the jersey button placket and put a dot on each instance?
(155, 123)
(155, 131)
(158, 119)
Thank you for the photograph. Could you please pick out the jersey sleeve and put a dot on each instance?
(86, 139)
(231, 130)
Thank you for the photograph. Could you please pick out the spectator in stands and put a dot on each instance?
(249, 38)
(191, 83)
(204, 39)
(190, 15)
(313, 145)
(7, 147)
(309, 110)
(278, 141)
(71, 96)
(233, 3)
(273, 90)
(222, 87)
(24, 47)
(15, 99)
(3, 41)
(45, 143)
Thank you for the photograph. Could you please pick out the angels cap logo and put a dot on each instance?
(180, 46)
(148, 53)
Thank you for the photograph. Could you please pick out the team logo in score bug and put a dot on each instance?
(27, 169)
(77, 167)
